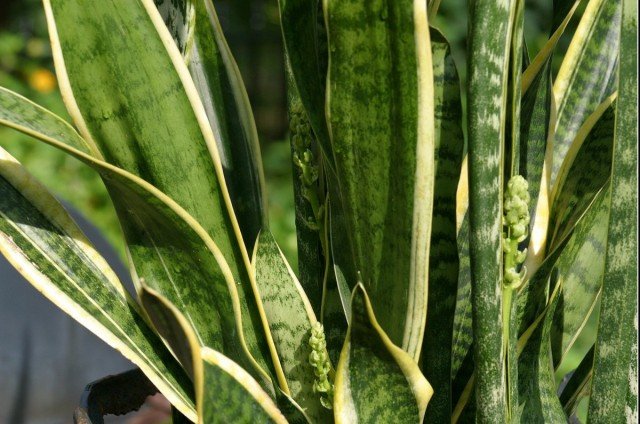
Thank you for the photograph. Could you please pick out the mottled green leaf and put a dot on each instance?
(581, 269)
(44, 244)
(196, 30)
(612, 384)
(583, 81)
(382, 135)
(225, 392)
(290, 318)
(443, 278)
(376, 381)
(177, 257)
(489, 39)
(535, 126)
(583, 175)
(536, 381)
(462, 323)
(155, 128)
(305, 42)
(164, 320)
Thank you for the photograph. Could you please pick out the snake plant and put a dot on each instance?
(447, 266)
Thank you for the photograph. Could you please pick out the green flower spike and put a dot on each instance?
(319, 359)
(305, 161)
(516, 222)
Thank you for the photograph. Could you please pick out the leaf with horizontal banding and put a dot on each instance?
(40, 239)
(583, 81)
(177, 253)
(462, 327)
(382, 136)
(369, 361)
(225, 392)
(535, 126)
(489, 39)
(305, 42)
(151, 127)
(291, 318)
(197, 32)
(613, 384)
(583, 176)
(581, 268)
(536, 382)
(443, 278)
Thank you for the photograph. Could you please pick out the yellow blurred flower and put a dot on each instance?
(42, 80)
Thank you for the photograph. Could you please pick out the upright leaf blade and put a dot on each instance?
(536, 377)
(587, 70)
(44, 244)
(381, 131)
(487, 100)
(369, 361)
(291, 318)
(151, 127)
(305, 44)
(611, 384)
(224, 97)
(449, 141)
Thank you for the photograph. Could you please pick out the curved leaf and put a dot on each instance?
(613, 385)
(40, 239)
(584, 173)
(225, 392)
(443, 258)
(155, 128)
(174, 254)
(536, 381)
(305, 44)
(382, 135)
(291, 318)
(588, 67)
(581, 268)
(196, 30)
(219, 83)
(368, 362)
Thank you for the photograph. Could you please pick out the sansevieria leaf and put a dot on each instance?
(368, 362)
(587, 72)
(40, 239)
(613, 384)
(291, 318)
(225, 392)
(487, 103)
(155, 128)
(537, 388)
(382, 136)
(197, 32)
(305, 42)
(443, 278)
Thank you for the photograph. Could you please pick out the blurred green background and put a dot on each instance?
(251, 27)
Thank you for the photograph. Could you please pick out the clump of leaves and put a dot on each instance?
(412, 302)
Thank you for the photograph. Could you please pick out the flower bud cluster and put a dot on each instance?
(319, 359)
(516, 224)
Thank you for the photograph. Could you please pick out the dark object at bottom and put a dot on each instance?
(116, 395)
